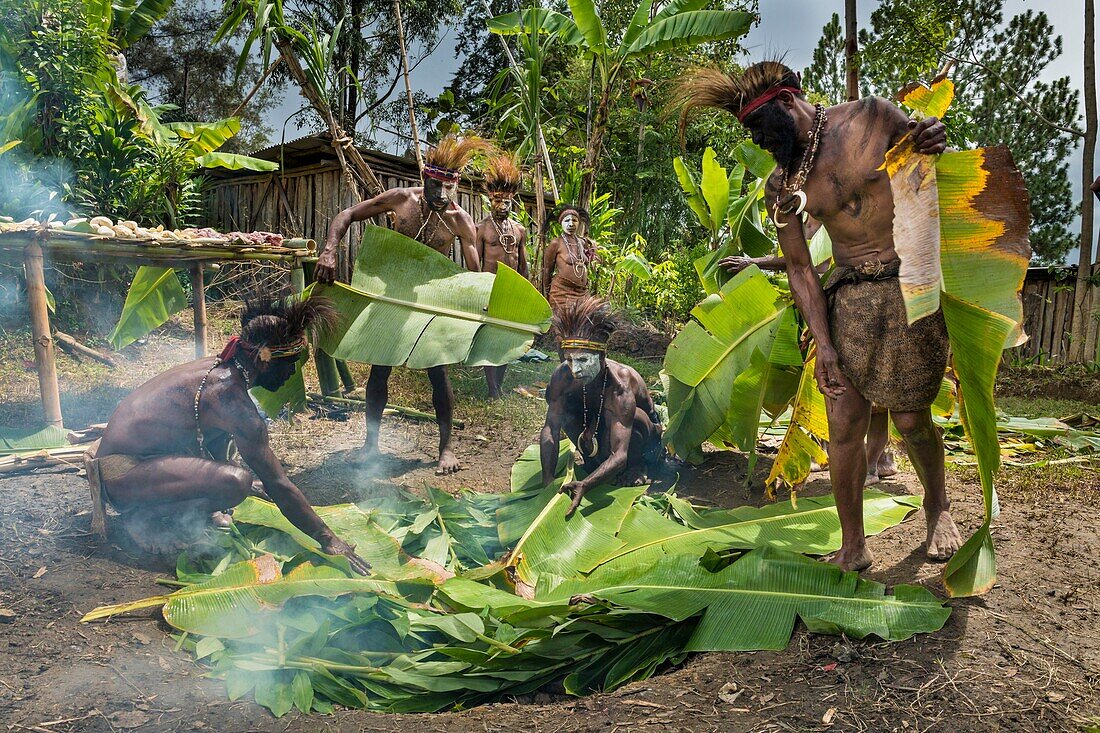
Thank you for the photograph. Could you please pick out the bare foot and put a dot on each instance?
(258, 491)
(886, 465)
(944, 539)
(368, 456)
(871, 479)
(857, 558)
(635, 477)
(448, 463)
(221, 519)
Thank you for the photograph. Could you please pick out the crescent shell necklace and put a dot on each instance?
(793, 187)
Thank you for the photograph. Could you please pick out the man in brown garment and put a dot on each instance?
(830, 165)
(566, 262)
(430, 215)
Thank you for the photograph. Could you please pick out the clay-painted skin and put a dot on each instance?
(850, 195)
(569, 223)
(158, 420)
(430, 215)
(620, 438)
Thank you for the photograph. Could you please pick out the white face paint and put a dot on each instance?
(584, 365)
(569, 223)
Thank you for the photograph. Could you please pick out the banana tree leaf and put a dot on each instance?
(538, 20)
(808, 430)
(235, 162)
(679, 6)
(809, 526)
(929, 102)
(529, 497)
(206, 137)
(715, 188)
(589, 24)
(351, 524)
(31, 439)
(754, 603)
(134, 18)
(916, 227)
(154, 295)
(292, 393)
(638, 21)
(238, 603)
(976, 337)
(692, 194)
(706, 357)
(690, 28)
(408, 304)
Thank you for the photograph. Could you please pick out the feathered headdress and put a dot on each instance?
(739, 94)
(275, 327)
(502, 175)
(446, 160)
(585, 323)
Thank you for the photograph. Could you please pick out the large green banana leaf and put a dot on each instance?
(744, 331)
(235, 162)
(292, 393)
(983, 254)
(155, 294)
(689, 28)
(233, 605)
(30, 439)
(754, 603)
(408, 304)
(806, 434)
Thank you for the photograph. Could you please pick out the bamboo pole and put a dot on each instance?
(199, 290)
(408, 85)
(40, 330)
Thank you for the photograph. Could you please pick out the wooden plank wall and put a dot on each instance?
(301, 202)
(1048, 313)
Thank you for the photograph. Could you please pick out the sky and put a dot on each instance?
(778, 34)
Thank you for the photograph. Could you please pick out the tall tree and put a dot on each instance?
(826, 75)
(851, 51)
(1083, 345)
(999, 97)
(179, 65)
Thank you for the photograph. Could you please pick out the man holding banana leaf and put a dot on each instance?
(830, 166)
(430, 215)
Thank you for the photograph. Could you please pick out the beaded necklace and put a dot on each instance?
(793, 187)
(202, 385)
(507, 240)
(599, 414)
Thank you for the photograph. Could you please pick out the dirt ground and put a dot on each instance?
(1024, 657)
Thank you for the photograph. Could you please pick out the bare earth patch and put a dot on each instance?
(1025, 657)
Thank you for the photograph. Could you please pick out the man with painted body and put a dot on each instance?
(500, 238)
(566, 261)
(603, 406)
(430, 215)
(830, 166)
(162, 459)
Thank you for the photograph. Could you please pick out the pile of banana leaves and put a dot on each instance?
(478, 597)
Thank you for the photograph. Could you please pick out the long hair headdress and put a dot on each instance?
(452, 154)
(275, 326)
(739, 94)
(502, 174)
(585, 323)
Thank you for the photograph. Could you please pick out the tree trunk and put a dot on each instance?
(595, 149)
(1082, 312)
(851, 49)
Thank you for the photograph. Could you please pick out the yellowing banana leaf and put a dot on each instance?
(746, 317)
(206, 137)
(235, 162)
(292, 393)
(408, 304)
(755, 602)
(154, 295)
(807, 432)
(238, 603)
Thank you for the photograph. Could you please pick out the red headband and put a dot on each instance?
(440, 173)
(764, 99)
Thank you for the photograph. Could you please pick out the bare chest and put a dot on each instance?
(848, 183)
(436, 229)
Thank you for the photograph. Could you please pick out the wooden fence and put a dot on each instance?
(1048, 314)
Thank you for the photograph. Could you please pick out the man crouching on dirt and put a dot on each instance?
(603, 406)
(162, 461)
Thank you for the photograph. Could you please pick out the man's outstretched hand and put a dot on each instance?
(577, 490)
(325, 271)
(830, 382)
(336, 546)
(735, 263)
(929, 135)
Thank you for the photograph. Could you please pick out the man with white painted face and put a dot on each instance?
(430, 215)
(604, 407)
(567, 259)
(500, 238)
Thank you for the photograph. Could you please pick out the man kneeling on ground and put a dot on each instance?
(603, 406)
(162, 462)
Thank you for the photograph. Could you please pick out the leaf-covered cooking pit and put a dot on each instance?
(633, 581)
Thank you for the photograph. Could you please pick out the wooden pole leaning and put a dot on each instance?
(199, 290)
(40, 330)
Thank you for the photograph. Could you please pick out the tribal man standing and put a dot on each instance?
(500, 238)
(566, 260)
(162, 459)
(830, 166)
(603, 406)
(430, 215)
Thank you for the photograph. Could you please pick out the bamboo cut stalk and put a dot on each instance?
(40, 330)
(199, 290)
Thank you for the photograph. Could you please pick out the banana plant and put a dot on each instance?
(679, 24)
